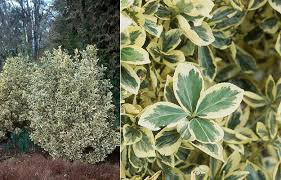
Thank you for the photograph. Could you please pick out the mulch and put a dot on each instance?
(39, 166)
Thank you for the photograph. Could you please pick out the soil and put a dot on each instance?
(38, 165)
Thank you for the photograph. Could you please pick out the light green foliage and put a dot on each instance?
(71, 107)
(205, 104)
(14, 81)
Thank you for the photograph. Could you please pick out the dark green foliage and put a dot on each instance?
(20, 141)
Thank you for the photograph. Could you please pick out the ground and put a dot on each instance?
(38, 165)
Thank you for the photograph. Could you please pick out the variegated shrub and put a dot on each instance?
(201, 89)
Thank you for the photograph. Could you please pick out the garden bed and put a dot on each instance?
(38, 165)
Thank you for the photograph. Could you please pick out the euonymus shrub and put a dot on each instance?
(14, 81)
(185, 67)
(72, 114)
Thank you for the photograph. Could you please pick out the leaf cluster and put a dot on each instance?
(200, 89)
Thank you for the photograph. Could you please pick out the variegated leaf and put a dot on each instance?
(219, 101)
(255, 4)
(169, 91)
(254, 100)
(278, 43)
(184, 130)
(231, 164)
(262, 131)
(167, 141)
(213, 150)
(170, 40)
(275, 4)
(134, 55)
(173, 58)
(270, 25)
(206, 60)
(237, 175)
(161, 114)
(255, 172)
(188, 85)
(246, 62)
(151, 26)
(205, 131)
(277, 171)
(271, 123)
(131, 135)
(129, 79)
(270, 88)
(146, 146)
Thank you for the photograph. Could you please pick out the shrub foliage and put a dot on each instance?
(201, 89)
(14, 82)
(72, 114)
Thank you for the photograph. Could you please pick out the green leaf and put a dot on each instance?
(206, 60)
(205, 131)
(214, 150)
(167, 141)
(222, 41)
(134, 55)
(275, 4)
(161, 114)
(129, 79)
(188, 85)
(146, 146)
(219, 101)
(131, 134)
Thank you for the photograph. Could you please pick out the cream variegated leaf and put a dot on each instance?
(275, 4)
(146, 146)
(219, 101)
(129, 79)
(167, 141)
(188, 85)
(161, 114)
(255, 4)
(231, 164)
(134, 55)
(278, 43)
(184, 130)
(213, 150)
(205, 131)
(131, 135)
(206, 60)
(277, 171)
(254, 100)
(262, 131)
(169, 91)
(237, 175)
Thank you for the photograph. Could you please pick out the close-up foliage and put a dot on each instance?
(201, 89)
